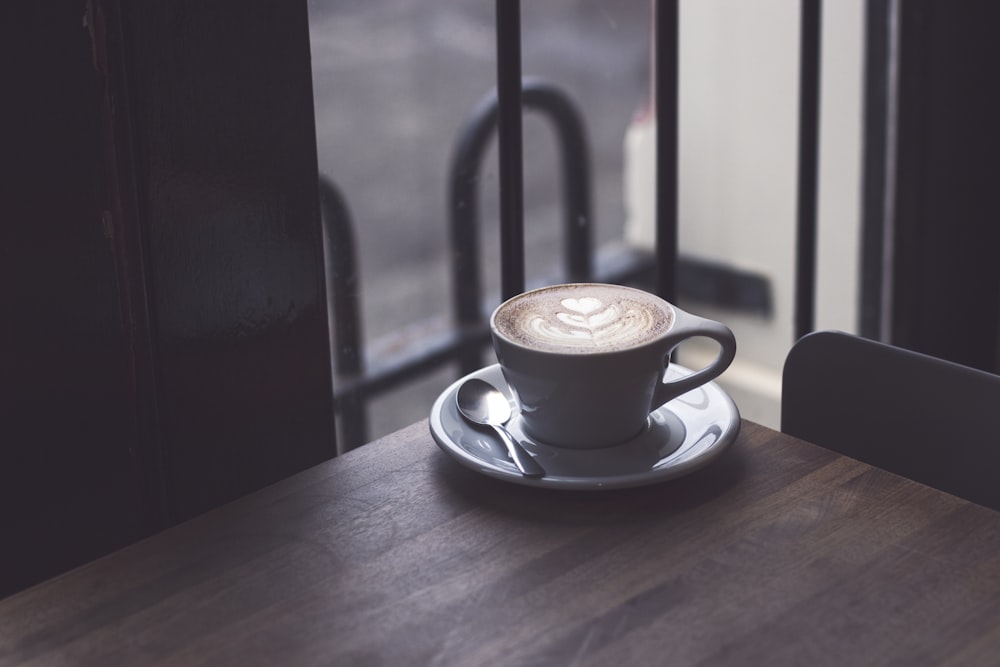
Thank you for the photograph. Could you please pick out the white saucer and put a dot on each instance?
(684, 435)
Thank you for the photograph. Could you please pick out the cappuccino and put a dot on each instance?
(583, 318)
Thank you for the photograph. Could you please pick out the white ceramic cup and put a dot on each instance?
(589, 396)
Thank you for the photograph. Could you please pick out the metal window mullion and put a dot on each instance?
(508, 29)
(665, 79)
(808, 167)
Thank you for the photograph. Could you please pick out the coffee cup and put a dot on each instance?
(587, 361)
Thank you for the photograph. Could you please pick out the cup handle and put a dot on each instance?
(687, 326)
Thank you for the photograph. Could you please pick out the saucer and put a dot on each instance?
(684, 435)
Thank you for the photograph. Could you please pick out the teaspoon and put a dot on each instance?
(482, 403)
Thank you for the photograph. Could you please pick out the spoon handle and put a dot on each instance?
(524, 461)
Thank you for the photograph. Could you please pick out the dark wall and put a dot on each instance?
(164, 342)
(70, 470)
(946, 281)
(225, 151)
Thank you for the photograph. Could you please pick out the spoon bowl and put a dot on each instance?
(482, 403)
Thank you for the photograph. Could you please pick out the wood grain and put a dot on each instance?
(780, 552)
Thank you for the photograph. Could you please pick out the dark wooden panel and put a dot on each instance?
(224, 139)
(69, 466)
(163, 346)
(946, 281)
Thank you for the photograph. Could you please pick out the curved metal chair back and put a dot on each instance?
(920, 417)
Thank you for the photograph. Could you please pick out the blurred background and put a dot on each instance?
(395, 82)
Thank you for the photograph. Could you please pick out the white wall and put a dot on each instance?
(838, 278)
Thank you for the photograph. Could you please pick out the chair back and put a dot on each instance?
(920, 417)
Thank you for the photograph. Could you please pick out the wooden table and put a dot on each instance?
(778, 553)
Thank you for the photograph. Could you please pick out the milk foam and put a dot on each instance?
(583, 318)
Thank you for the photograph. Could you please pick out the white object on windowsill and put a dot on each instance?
(640, 181)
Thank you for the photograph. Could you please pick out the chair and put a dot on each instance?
(917, 416)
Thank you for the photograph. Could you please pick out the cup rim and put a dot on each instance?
(601, 353)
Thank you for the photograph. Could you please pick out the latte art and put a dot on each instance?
(583, 318)
(589, 326)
